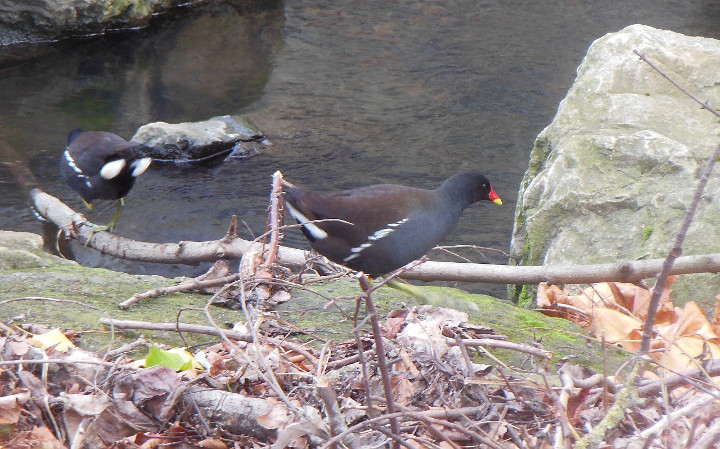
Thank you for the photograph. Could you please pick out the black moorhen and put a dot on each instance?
(101, 165)
(384, 226)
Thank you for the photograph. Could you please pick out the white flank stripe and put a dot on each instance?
(380, 234)
(139, 166)
(112, 169)
(355, 252)
(76, 169)
(71, 162)
(360, 248)
(317, 233)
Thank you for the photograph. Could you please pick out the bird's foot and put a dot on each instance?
(95, 228)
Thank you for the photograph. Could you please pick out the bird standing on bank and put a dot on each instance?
(380, 228)
(101, 165)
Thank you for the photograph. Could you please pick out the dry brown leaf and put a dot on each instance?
(634, 298)
(685, 353)
(716, 316)
(152, 443)
(10, 407)
(277, 417)
(548, 295)
(212, 443)
(406, 365)
(403, 389)
(19, 348)
(39, 437)
(393, 324)
(603, 295)
(691, 321)
(615, 326)
(617, 312)
(583, 301)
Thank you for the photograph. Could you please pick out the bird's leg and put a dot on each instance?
(118, 207)
(99, 228)
(93, 227)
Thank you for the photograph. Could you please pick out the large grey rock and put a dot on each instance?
(612, 176)
(207, 141)
(38, 20)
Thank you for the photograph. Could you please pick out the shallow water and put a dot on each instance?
(349, 92)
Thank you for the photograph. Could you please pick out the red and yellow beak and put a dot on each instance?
(492, 196)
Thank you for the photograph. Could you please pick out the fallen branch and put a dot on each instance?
(710, 368)
(233, 248)
(493, 343)
(210, 330)
(175, 327)
(193, 284)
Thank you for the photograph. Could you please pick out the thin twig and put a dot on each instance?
(680, 88)
(493, 343)
(336, 420)
(363, 361)
(173, 327)
(54, 362)
(421, 416)
(274, 218)
(192, 284)
(380, 354)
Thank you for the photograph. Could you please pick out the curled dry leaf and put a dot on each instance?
(617, 312)
(277, 417)
(212, 443)
(615, 327)
(11, 407)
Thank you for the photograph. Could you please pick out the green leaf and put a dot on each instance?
(179, 361)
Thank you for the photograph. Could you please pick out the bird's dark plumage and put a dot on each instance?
(385, 226)
(101, 165)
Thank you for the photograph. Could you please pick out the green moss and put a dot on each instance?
(525, 297)
(647, 232)
(318, 313)
(130, 9)
(103, 289)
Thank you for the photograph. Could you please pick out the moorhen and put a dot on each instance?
(101, 165)
(384, 226)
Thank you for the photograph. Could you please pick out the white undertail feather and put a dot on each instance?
(113, 168)
(315, 232)
(140, 165)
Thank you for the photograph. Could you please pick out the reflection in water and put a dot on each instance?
(350, 93)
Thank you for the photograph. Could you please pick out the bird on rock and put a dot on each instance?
(380, 228)
(101, 165)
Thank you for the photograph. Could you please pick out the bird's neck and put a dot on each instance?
(459, 192)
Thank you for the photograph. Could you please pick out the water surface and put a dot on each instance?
(350, 93)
